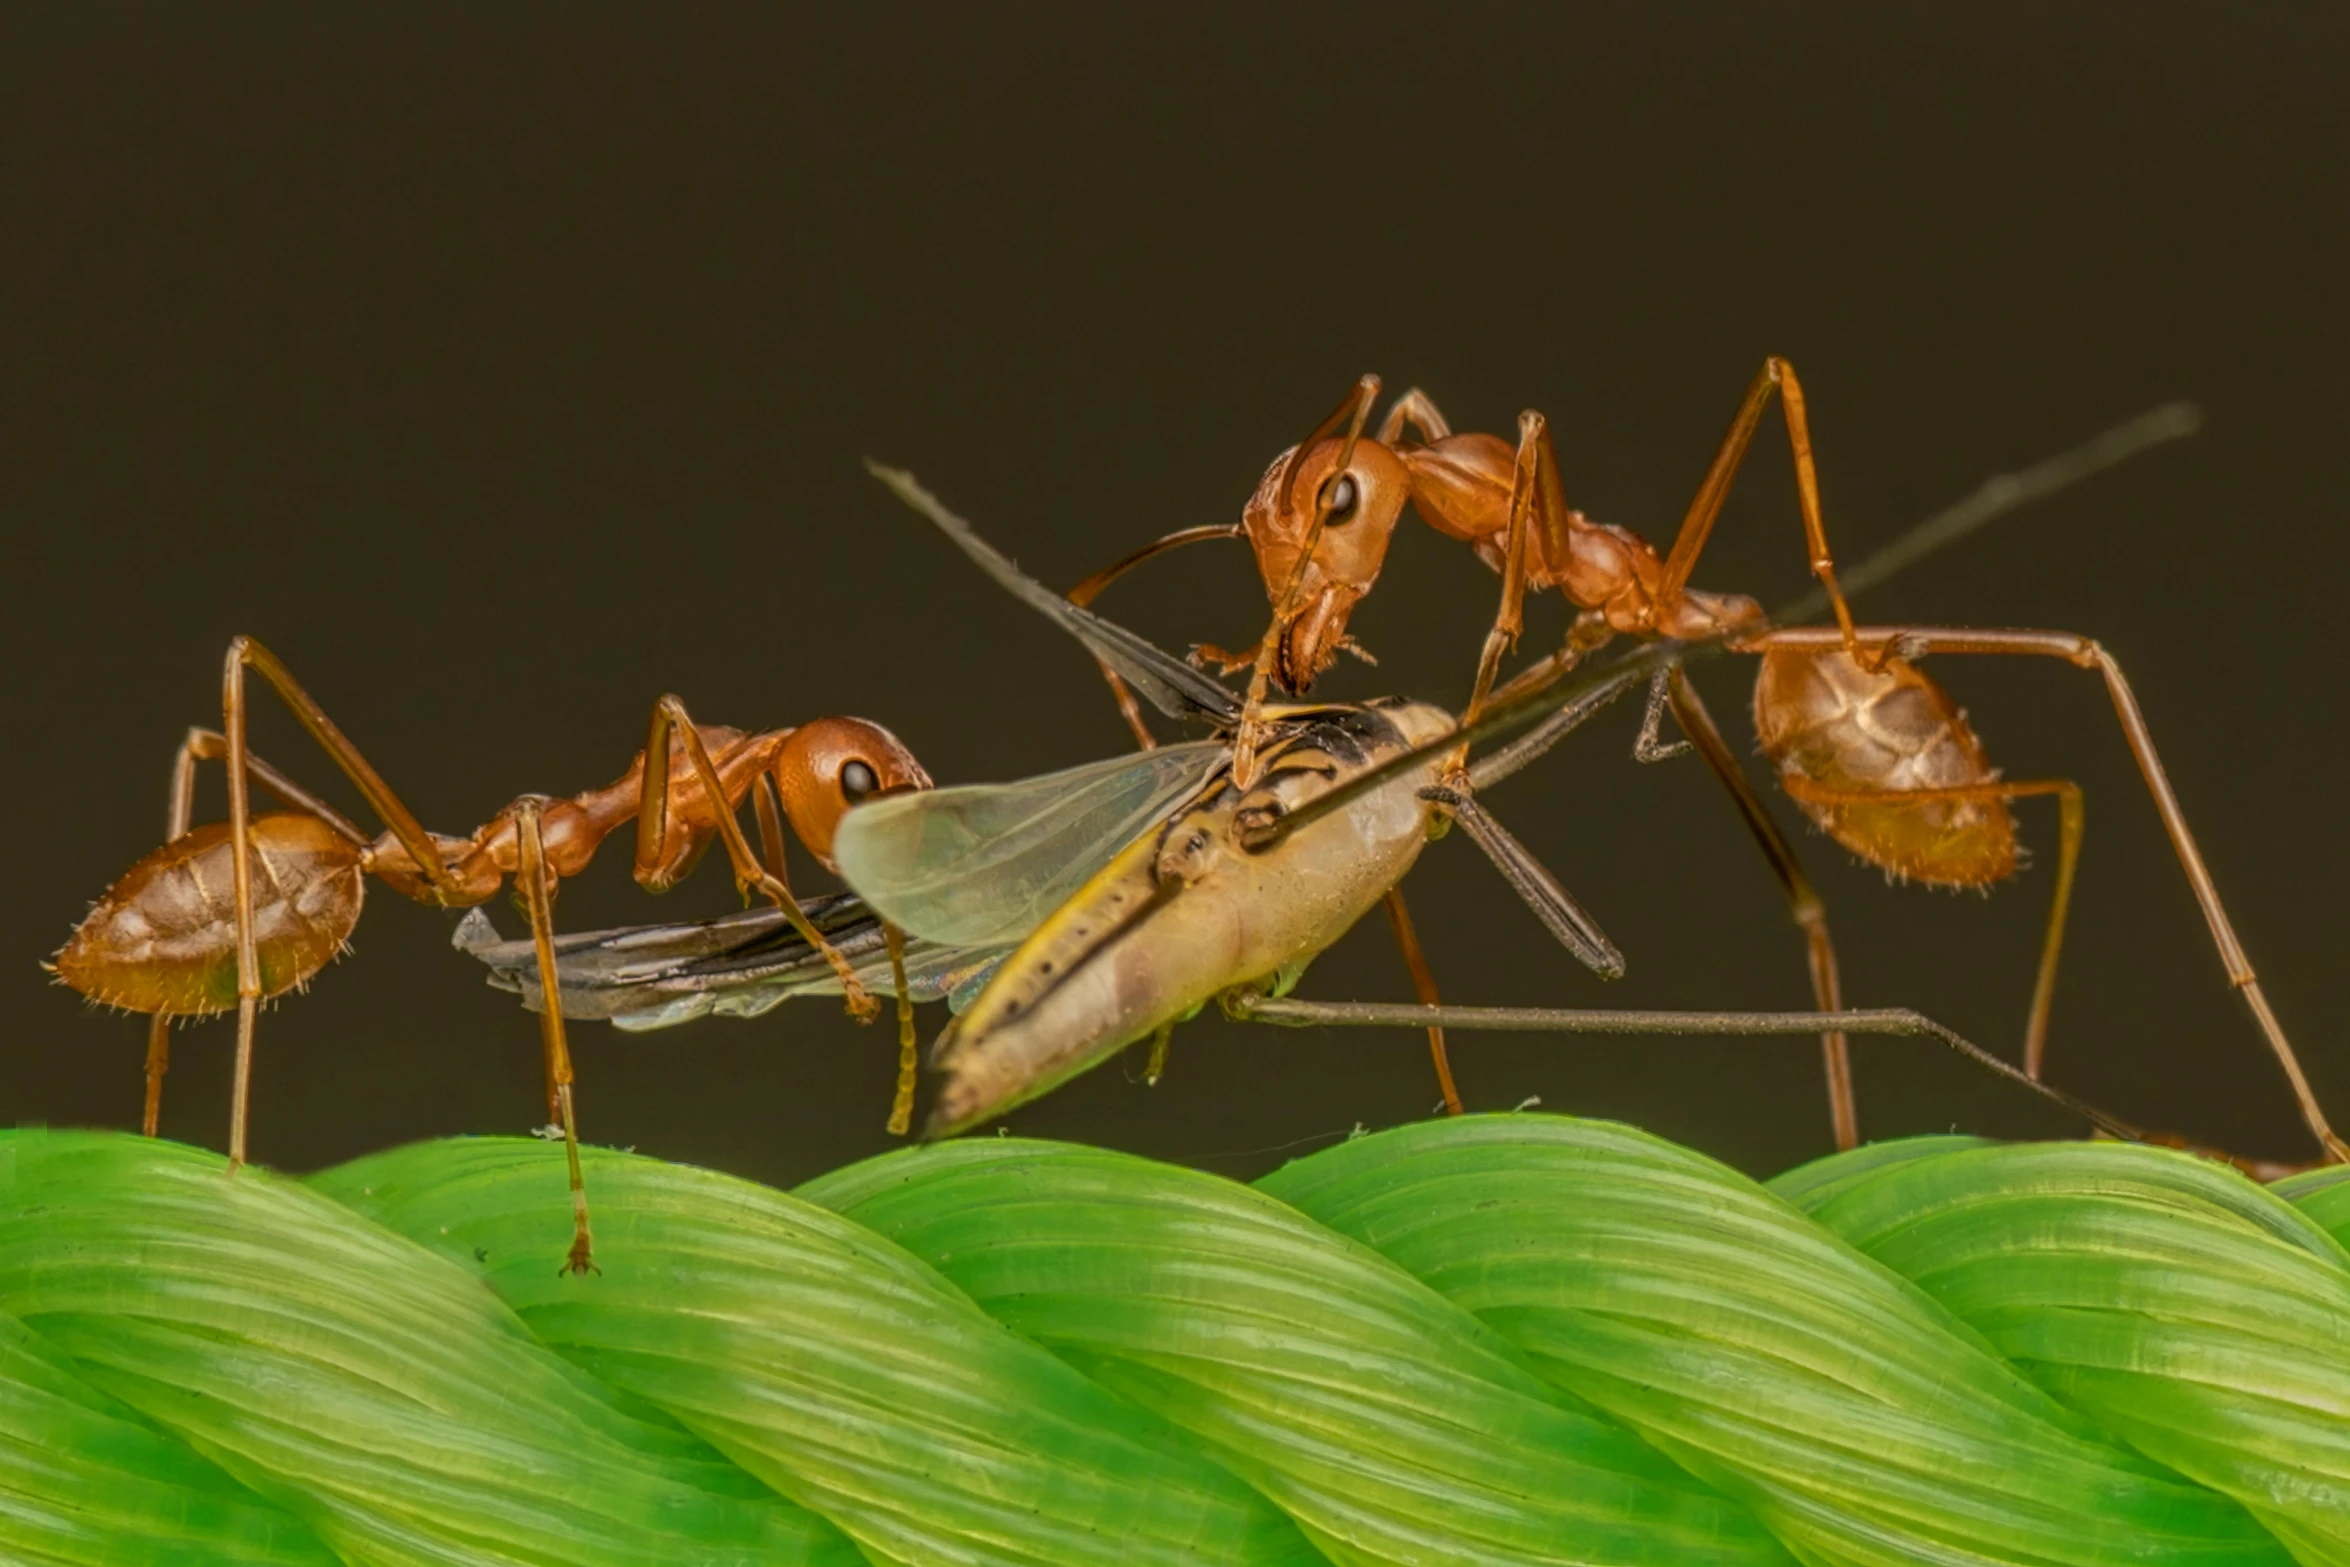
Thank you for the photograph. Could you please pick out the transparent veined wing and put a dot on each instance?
(738, 965)
(982, 865)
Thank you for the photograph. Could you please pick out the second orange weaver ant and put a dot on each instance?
(1867, 744)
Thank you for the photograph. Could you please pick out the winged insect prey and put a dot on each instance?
(1217, 902)
(967, 877)
(226, 915)
(1184, 914)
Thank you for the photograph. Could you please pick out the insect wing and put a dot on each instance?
(980, 866)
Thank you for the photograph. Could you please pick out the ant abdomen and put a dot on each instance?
(164, 938)
(1848, 742)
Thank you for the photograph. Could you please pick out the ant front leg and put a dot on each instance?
(1803, 902)
(669, 715)
(538, 897)
(2084, 653)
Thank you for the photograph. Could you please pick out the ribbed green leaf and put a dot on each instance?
(2323, 1195)
(1858, 1417)
(83, 1480)
(824, 1360)
(363, 1384)
(1386, 1420)
(2166, 1296)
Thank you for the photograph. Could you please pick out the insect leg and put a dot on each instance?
(1407, 941)
(1776, 375)
(1552, 904)
(1155, 1065)
(244, 653)
(1526, 492)
(669, 715)
(1803, 903)
(2083, 652)
(1290, 1012)
(206, 745)
(2072, 818)
(1414, 410)
(769, 810)
(901, 1109)
(538, 893)
(181, 808)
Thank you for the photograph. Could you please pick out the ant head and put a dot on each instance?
(1360, 506)
(827, 766)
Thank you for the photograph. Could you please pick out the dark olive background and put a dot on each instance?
(502, 373)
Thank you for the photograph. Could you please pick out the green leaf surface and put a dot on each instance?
(2323, 1195)
(2166, 1296)
(825, 1360)
(1393, 1426)
(1858, 1417)
(85, 1481)
(367, 1387)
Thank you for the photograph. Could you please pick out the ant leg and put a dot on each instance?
(178, 812)
(244, 653)
(1087, 591)
(1414, 410)
(769, 809)
(205, 745)
(749, 875)
(538, 893)
(1803, 903)
(1349, 414)
(2084, 653)
(158, 1063)
(1526, 491)
(2072, 818)
(1706, 506)
(1407, 941)
(901, 1109)
(770, 813)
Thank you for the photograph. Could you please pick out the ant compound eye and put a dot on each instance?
(1343, 495)
(857, 781)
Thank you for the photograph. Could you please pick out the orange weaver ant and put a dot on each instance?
(1869, 746)
(229, 914)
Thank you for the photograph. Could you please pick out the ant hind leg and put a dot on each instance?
(1803, 901)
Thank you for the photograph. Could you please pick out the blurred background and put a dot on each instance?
(505, 371)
